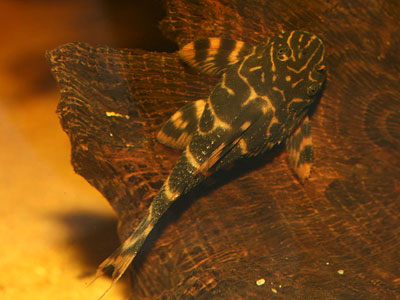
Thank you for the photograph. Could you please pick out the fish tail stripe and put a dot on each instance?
(183, 176)
(190, 158)
(167, 193)
(121, 258)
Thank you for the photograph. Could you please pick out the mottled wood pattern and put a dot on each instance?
(335, 237)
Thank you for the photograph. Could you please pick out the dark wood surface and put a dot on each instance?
(335, 237)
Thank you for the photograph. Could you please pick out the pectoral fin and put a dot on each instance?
(300, 150)
(179, 129)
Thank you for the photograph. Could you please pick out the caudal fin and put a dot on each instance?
(120, 259)
(118, 262)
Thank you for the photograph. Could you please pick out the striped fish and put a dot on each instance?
(262, 99)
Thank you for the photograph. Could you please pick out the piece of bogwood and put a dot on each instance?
(335, 237)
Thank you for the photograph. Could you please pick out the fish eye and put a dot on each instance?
(313, 89)
(283, 53)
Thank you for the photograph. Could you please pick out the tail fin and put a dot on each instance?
(121, 258)
(119, 262)
(181, 180)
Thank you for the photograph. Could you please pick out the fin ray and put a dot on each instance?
(300, 150)
(214, 55)
(179, 129)
(232, 141)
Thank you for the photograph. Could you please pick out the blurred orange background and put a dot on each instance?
(55, 228)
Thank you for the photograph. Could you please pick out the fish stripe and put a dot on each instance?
(226, 47)
(179, 129)
(230, 91)
(201, 48)
(191, 160)
(218, 122)
(300, 150)
(214, 55)
(180, 179)
(207, 121)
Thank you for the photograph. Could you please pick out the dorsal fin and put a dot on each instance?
(214, 55)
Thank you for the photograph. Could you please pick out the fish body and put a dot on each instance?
(262, 99)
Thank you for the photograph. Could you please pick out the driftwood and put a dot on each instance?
(335, 237)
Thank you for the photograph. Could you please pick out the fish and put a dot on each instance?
(262, 99)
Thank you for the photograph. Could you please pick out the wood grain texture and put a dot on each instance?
(254, 221)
